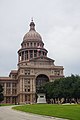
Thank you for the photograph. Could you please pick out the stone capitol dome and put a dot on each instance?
(35, 69)
(32, 34)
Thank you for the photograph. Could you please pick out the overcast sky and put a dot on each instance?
(58, 22)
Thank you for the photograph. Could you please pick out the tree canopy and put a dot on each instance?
(67, 88)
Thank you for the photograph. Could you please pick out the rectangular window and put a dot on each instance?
(8, 85)
(8, 91)
(28, 81)
(25, 90)
(14, 85)
(28, 90)
(14, 91)
(7, 99)
(27, 72)
(57, 72)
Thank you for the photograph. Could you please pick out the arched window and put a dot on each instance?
(40, 81)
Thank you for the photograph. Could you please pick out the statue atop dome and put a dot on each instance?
(32, 25)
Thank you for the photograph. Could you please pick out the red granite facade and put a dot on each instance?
(34, 70)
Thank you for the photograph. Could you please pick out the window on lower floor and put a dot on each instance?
(14, 84)
(28, 90)
(8, 84)
(7, 99)
(14, 91)
(27, 72)
(8, 91)
(57, 72)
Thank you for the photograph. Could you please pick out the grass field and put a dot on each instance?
(5, 104)
(71, 112)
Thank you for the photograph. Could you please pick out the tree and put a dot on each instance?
(67, 88)
(1, 94)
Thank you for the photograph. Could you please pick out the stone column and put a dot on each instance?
(4, 99)
(25, 55)
(23, 84)
(20, 99)
(11, 93)
(28, 54)
(31, 85)
(33, 53)
(37, 53)
(34, 85)
(23, 98)
(34, 98)
(21, 56)
(31, 101)
(11, 88)
(20, 85)
(11, 100)
(5, 89)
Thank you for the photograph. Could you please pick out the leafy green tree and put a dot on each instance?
(67, 88)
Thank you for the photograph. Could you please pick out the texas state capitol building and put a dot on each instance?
(34, 70)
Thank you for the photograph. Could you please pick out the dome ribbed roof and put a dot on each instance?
(32, 34)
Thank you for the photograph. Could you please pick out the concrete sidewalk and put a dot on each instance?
(6, 113)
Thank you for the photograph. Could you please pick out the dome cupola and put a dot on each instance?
(32, 35)
(32, 46)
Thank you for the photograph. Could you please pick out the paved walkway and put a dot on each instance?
(6, 113)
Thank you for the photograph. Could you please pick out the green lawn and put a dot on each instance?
(5, 104)
(71, 112)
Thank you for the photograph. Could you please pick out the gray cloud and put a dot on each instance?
(58, 21)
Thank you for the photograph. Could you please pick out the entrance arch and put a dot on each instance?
(41, 80)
